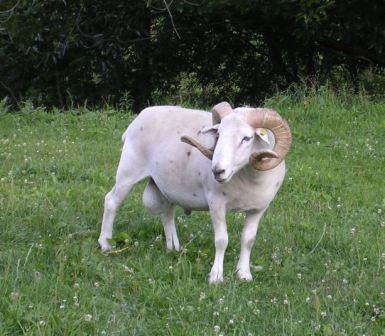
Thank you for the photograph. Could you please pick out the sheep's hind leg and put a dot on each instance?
(157, 204)
(127, 175)
(167, 218)
(112, 202)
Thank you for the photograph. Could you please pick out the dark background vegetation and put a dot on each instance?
(62, 53)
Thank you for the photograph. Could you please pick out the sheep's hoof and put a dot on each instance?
(215, 278)
(172, 249)
(215, 281)
(171, 246)
(104, 245)
(244, 275)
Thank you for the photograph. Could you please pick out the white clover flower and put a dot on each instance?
(217, 328)
(87, 317)
(323, 314)
(14, 295)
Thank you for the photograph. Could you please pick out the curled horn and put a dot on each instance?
(219, 111)
(207, 152)
(266, 118)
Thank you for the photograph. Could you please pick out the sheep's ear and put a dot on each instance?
(263, 134)
(210, 130)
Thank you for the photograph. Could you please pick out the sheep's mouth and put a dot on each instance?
(224, 180)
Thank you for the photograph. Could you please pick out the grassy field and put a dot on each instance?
(318, 262)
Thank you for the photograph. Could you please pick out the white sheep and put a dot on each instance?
(240, 170)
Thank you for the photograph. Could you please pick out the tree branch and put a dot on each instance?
(171, 18)
(351, 50)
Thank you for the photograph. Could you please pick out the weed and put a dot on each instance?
(319, 258)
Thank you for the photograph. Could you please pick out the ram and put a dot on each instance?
(236, 165)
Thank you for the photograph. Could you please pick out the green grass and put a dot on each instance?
(321, 243)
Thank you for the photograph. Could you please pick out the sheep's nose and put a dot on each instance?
(217, 171)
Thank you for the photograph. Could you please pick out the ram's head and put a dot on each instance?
(237, 143)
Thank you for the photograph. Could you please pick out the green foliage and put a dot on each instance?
(70, 53)
(373, 82)
(320, 244)
(4, 106)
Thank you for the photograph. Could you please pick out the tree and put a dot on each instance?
(58, 53)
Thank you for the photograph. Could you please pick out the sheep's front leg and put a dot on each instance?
(247, 241)
(218, 216)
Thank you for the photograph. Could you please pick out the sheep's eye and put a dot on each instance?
(245, 139)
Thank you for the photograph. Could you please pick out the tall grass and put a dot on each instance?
(319, 258)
